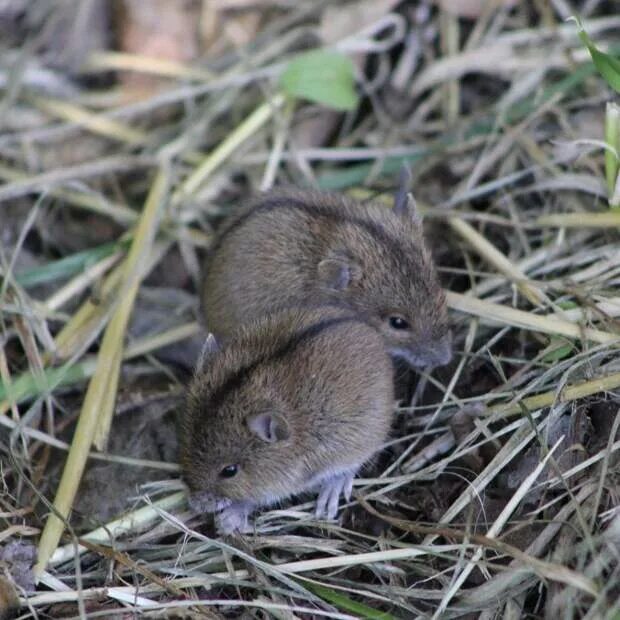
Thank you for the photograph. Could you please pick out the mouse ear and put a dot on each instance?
(209, 348)
(269, 426)
(337, 273)
(404, 202)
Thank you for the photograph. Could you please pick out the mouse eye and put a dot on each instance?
(230, 471)
(397, 322)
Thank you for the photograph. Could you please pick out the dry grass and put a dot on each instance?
(498, 495)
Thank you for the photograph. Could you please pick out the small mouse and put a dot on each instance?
(291, 247)
(294, 401)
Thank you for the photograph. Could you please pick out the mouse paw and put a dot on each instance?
(233, 518)
(329, 494)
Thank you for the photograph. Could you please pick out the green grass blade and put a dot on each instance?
(345, 603)
(67, 266)
(29, 385)
(606, 64)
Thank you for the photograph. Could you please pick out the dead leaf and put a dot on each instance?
(162, 29)
(223, 23)
(340, 21)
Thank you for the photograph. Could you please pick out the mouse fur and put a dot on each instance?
(290, 247)
(295, 401)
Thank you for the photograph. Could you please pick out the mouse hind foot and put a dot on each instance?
(332, 487)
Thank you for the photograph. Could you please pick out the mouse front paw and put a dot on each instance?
(233, 518)
(330, 491)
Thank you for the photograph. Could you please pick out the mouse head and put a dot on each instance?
(385, 272)
(234, 437)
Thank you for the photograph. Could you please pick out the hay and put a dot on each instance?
(498, 492)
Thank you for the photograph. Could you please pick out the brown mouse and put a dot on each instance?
(290, 247)
(294, 401)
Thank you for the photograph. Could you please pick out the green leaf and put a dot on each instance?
(608, 66)
(567, 305)
(345, 603)
(558, 353)
(323, 77)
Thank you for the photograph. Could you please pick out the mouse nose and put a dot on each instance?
(443, 353)
(202, 502)
(438, 353)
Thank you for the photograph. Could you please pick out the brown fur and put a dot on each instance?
(8, 599)
(280, 251)
(323, 370)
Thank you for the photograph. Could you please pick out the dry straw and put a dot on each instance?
(504, 315)
(519, 523)
(98, 406)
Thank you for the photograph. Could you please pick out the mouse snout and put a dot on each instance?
(424, 353)
(439, 353)
(206, 502)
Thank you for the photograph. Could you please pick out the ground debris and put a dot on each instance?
(500, 116)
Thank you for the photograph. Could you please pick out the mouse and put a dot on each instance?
(290, 247)
(295, 401)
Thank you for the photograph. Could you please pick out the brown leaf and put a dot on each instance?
(161, 29)
(340, 21)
